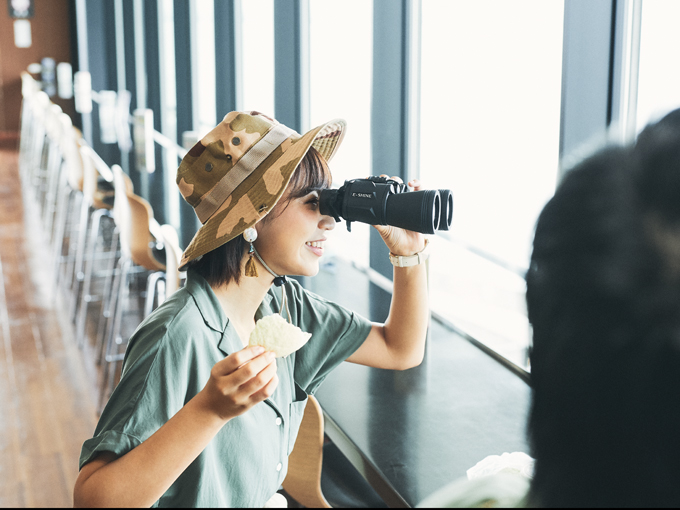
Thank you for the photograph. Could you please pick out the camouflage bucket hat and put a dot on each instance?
(237, 173)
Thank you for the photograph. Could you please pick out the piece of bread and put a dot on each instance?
(275, 334)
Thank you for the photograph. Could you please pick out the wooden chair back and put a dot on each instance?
(91, 194)
(133, 216)
(303, 481)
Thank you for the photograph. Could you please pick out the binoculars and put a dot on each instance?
(384, 201)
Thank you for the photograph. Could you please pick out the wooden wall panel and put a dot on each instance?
(51, 37)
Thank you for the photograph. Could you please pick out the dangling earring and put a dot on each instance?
(250, 234)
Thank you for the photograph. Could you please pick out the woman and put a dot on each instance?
(198, 419)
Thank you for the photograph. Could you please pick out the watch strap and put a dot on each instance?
(411, 260)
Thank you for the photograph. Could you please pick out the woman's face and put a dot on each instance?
(292, 241)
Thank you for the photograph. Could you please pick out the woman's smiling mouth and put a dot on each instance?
(316, 247)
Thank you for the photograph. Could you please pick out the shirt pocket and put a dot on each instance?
(295, 414)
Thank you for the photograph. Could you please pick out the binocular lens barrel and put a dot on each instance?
(418, 211)
(446, 209)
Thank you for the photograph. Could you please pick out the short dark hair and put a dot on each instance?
(603, 298)
(223, 264)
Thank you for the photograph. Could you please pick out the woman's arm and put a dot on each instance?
(140, 477)
(400, 342)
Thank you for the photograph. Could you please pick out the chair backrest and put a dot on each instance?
(53, 124)
(90, 174)
(54, 131)
(303, 481)
(173, 255)
(133, 215)
(29, 88)
(142, 239)
(40, 105)
(70, 153)
(92, 171)
(121, 210)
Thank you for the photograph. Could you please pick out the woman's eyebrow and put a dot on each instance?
(311, 191)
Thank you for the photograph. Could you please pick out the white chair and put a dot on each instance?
(138, 233)
(30, 106)
(34, 108)
(52, 169)
(69, 192)
(96, 205)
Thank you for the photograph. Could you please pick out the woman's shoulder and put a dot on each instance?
(175, 325)
(178, 313)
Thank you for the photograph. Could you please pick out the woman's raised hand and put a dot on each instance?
(398, 240)
(240, 381)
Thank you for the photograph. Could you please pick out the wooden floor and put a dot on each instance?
(47, 384)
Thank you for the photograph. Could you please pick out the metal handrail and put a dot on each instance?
(166, 142)
(99, 163)
(158, 137)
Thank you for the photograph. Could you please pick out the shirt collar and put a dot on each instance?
(206, 301)
(213, 314)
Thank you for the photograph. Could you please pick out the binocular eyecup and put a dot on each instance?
(446, 209)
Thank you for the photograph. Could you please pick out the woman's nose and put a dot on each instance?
(326, 222)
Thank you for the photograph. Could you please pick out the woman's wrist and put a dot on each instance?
(412, 259)
(203, 404)
(401, 251)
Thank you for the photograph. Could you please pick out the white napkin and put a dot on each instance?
(516, 463)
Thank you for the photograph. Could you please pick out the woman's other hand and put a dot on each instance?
(398, 240)
(240, 381)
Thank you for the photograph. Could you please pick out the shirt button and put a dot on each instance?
(279, 421)
(279, 466)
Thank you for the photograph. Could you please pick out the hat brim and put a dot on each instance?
(253, 199)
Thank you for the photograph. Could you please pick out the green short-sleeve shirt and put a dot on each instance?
(168, 361)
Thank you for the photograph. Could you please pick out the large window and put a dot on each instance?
(203, 65)
(168, 95)
(258, 56)
(340, 74)
(490, 119)
(659, 78)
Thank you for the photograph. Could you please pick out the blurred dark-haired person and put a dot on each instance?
(603, 298)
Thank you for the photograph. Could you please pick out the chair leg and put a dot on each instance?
(78, 275)
(54, 169)
(114, 339)
(108, 297)
(39, 171)
(36, 165)
(35, 154)
(110, 318)
(74, 238)
(60, 232)
(87, 297)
